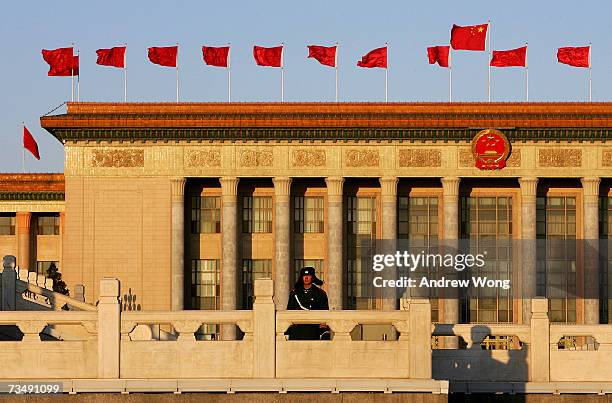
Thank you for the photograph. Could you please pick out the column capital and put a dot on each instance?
(450, 186)
(590, 186)
(388, 187)
(24, 219)
(282, 186)
(178, 186)
(334, 186)
(529, 186)
(229, 186)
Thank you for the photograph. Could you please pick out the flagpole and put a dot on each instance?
(282, 72)
(23, 151)
(336, 66)
(229, 74)
(72, 78)
(590, 76)
(79, 81)
(125, 74)
(177, 73)
(489, 58)
(450, 75)
(526, 72)
(387, 74)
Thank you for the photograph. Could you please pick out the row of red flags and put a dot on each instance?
(63, 62)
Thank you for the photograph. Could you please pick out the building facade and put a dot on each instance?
(187, 204)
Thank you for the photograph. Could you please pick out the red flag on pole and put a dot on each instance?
(323, 54)
(272, 57)
(575, 56)
(471, 37)
(510, 58)
(29, 143)
(438, 54)
(114, 57)
(215, 56)
(164, 56)
(62, 62)
(374, 58)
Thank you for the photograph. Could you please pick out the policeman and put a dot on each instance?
(307, 296)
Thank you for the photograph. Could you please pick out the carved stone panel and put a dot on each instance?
(203, 158)
(559, 158)
(101, 158)
(361, 158)
(256, 158)
(308, 158)
(420, 158)
(606, 158)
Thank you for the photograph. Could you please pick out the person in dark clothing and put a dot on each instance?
(308, 296)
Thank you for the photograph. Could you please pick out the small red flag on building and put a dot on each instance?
(217, 57)
(510, 58)
(438, 54)
(29, 143)
(164, 56)
(575, 56)
(113, 57)
(62, 62)
(374, 58)
(272, 57)
(471, 37)
(323, 54)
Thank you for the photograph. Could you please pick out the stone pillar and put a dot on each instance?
(264, 330)
(9, 277)
(24, 219)
(540, 343)
(334, 242)
(388, 187)
(450, 203)
(590, 193)
(528, 289)
(178, 243)
(109, 329)
(229, 257)
(420, 338)
(282, 241)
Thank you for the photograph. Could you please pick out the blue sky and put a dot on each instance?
(359, 26)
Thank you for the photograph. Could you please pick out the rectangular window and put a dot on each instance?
(605, 229)
(43, 266)
(206, 293)
(308, 214)
(299, 264)
(487, 222)
(48, 224)
(556, 264)
(252, 269)
(206, 215)
(256, 214)
(7, 224)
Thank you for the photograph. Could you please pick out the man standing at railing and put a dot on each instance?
(308, 296)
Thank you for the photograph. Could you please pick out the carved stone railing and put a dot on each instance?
(52, 299)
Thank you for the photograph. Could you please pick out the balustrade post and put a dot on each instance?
(264, 330)
(420, 338)
(109, 329)
(9, 277)
(539, 354)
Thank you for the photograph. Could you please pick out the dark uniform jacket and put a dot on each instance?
(310, 299)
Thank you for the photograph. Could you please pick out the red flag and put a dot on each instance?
(62, 62)
(510, 58)
(272, 57)
(323, 54)
(114, 57)
(165, 56)
(29, 143)
(472, 37)
(577, 57)
(216, 56)
(438, 54)
(374, 58)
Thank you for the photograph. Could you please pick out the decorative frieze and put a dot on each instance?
(256, 158)
(361, 158)
(606, 158)
(420, 158)
(559, 157)
(101, 158)
(203, 158)
(308, 158)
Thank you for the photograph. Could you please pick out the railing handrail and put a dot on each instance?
(167, 317)
(21, 286)
(362, 317)
(50, 317)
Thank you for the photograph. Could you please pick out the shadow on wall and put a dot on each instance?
(128, 302)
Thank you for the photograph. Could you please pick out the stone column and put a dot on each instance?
(282, 240)
(24, 220)
(109, 329)
(528, 289)
(334, 241)
(229, 257)
(540, 341)
(450, 203)
(178, 243)
(62, 222)
(388, 186)
(590, 192)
